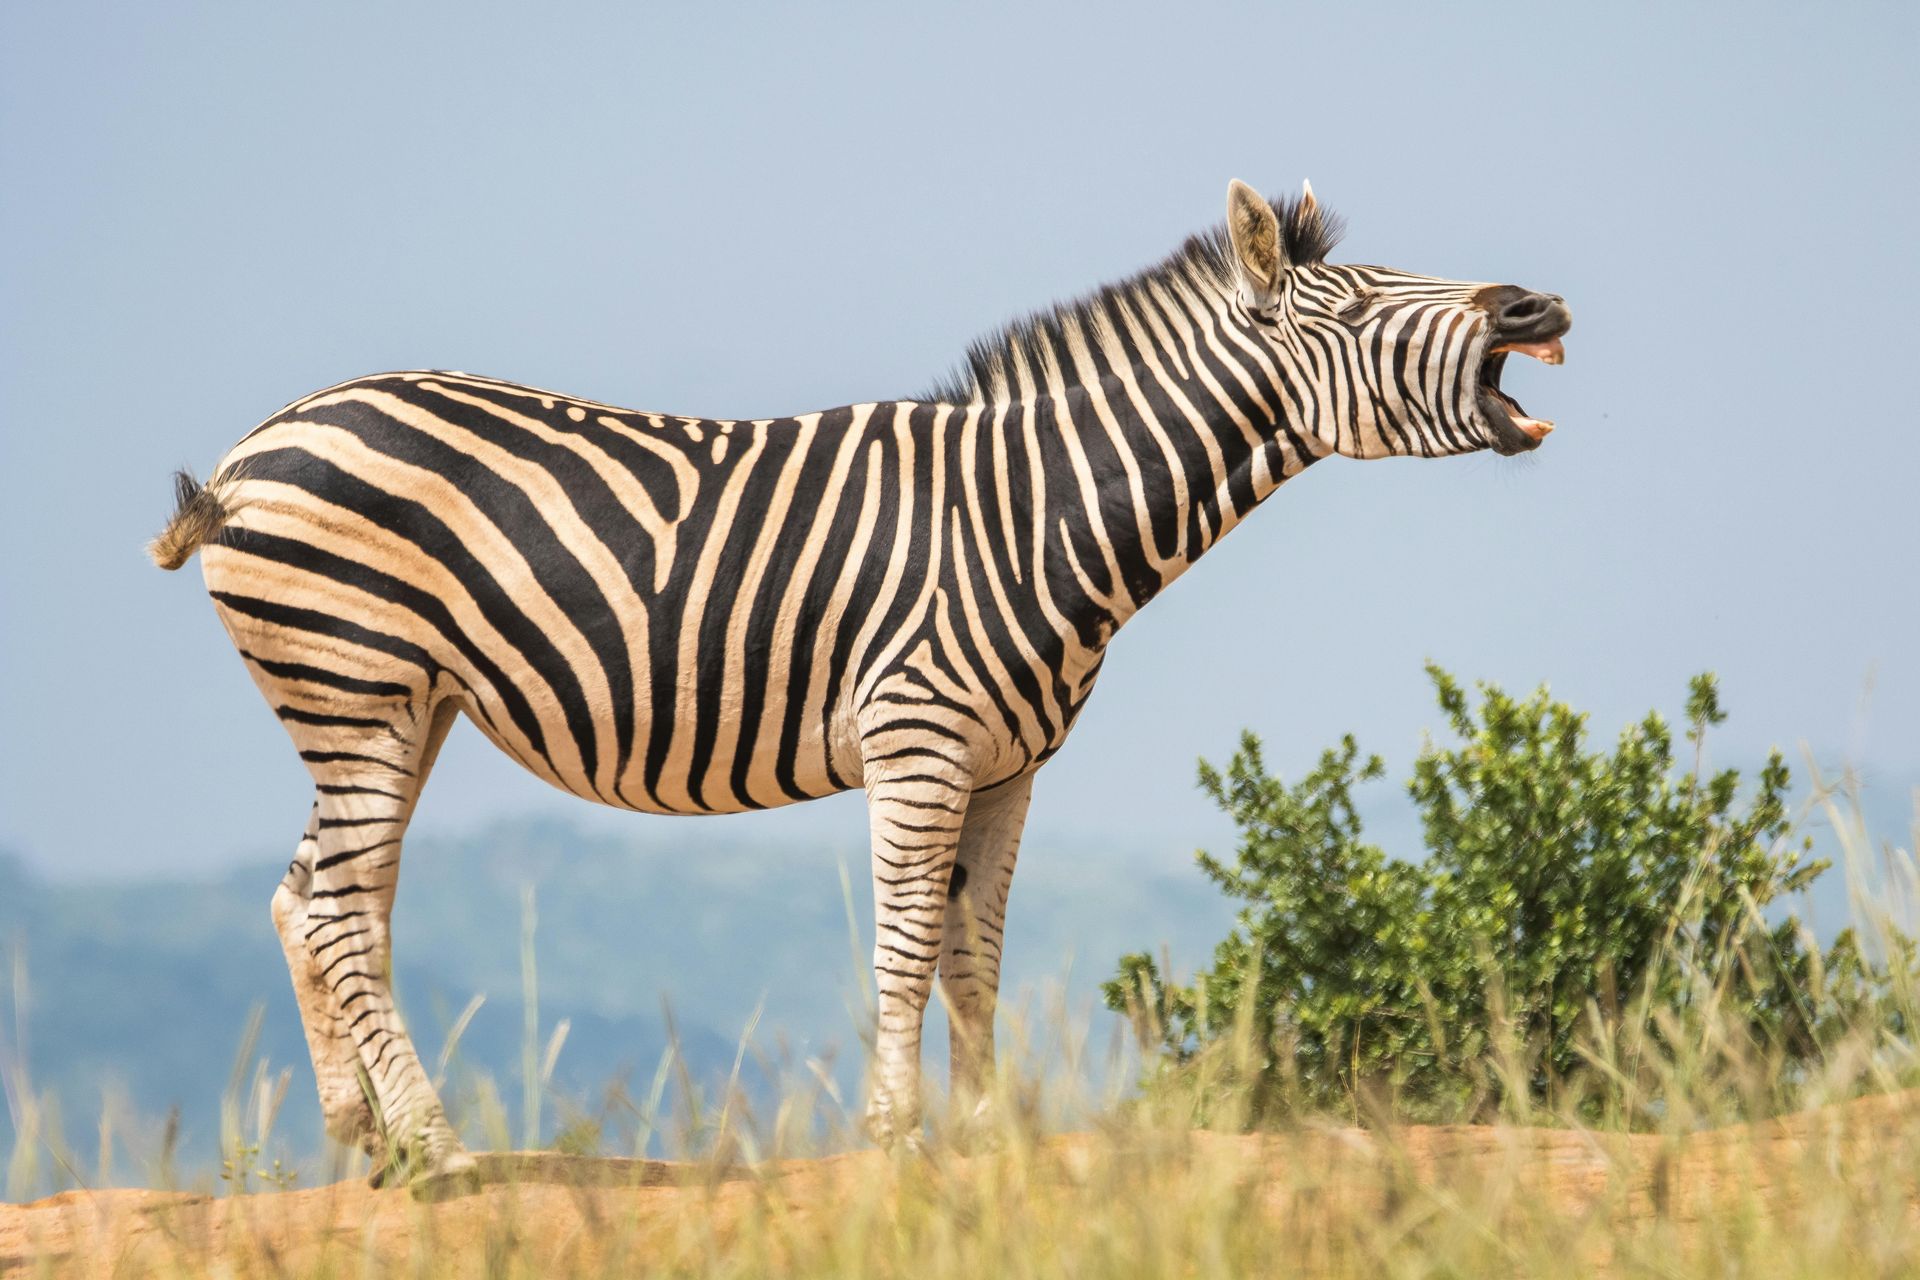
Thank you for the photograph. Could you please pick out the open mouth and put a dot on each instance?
(1514, 431)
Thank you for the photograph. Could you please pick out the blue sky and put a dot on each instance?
(739, 210)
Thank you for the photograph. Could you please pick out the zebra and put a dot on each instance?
(688, 615)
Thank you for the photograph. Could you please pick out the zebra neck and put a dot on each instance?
(1160, 459)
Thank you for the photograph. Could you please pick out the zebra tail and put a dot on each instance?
(198, 514)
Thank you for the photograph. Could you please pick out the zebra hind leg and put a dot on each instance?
(336, 1059)
(368, 782)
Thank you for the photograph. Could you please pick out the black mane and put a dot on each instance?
(1308, 231)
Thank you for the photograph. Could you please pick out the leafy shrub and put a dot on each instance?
(1581, 918)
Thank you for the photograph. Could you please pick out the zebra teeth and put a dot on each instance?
(1551, 352)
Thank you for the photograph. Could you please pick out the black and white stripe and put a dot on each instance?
(685, 615)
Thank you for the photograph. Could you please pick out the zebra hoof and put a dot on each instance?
(894, 1131)
(908, 1145)
(449, 1173)
(456, 1176)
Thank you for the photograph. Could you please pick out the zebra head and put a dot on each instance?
(1396, 364)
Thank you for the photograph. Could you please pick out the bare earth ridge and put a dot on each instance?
(591, 1212)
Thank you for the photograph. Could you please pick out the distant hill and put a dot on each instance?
(136, 994)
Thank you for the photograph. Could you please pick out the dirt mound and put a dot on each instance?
(582, 1212)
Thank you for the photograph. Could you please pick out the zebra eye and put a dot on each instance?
(1353, 308)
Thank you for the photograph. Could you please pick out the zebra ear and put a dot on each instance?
(1257, 248)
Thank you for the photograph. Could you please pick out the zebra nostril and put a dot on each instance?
(1525, 310)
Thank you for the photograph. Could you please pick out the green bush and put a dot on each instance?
(1580, 918)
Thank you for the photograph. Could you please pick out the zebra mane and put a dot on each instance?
(985, 375)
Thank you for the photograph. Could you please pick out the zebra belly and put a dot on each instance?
(673, 792)
(688, 700)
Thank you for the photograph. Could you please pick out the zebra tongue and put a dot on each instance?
(1545, 352)
(1537, 428)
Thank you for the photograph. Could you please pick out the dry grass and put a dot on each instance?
(1832, 1192)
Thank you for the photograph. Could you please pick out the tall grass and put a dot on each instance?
(1709, 1158)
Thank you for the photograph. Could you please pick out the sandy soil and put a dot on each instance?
(562, 1208)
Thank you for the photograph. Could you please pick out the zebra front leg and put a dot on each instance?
(336, 1060)
(363, 814)
(974, 931)
(916, 820)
